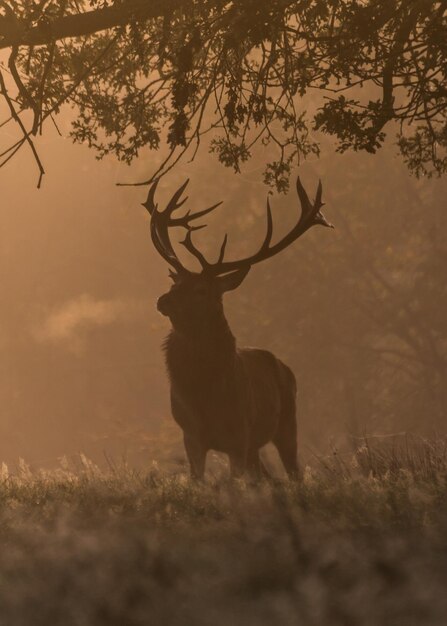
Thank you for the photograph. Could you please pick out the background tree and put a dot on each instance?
(82, 367)
(141, 73)
(364, 308)
(359, 315)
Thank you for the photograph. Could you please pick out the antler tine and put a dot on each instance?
(220, 266)
(185, 222)
(171, 258)
(150, 205)
(310, 211)
(160, 222)
(165, 220)
(189, 217)
(174, 203)
(310, 216)
(222, 250)
(319, 217)
(319, 194)
(269, 234)
(306, 207)
(188, 243)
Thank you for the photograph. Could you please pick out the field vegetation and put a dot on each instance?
(360, 541)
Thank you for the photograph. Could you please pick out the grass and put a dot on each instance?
(362, 541)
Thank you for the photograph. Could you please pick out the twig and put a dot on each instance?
(26, 134)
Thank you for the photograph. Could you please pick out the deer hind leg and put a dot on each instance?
(287, 450)
(285, 439)
(196, 454)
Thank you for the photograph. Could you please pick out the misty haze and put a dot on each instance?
(148, 479)
(83, 367)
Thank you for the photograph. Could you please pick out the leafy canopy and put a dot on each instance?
(229, 74)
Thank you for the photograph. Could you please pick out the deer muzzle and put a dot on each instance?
(163, 304)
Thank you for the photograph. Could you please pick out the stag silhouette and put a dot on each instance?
(229, 399)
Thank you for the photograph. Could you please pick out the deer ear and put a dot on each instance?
(233, 280)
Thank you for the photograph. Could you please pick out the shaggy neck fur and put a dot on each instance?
(200, 353)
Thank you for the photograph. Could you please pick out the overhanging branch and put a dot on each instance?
(82, 24)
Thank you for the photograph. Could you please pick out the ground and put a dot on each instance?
(361, 541)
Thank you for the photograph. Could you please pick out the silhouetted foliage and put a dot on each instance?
(142, 74)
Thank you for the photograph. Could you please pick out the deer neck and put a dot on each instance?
(202, 352)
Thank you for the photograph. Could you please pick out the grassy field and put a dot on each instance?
(360, 542)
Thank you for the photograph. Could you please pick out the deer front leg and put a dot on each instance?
(196, 454)
(254, 465)
(238, 460)
(237, 465)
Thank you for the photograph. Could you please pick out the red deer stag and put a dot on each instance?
(229, 399)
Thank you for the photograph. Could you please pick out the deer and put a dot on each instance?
(224, 398)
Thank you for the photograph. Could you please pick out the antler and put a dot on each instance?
(310, 216)
(161, 221)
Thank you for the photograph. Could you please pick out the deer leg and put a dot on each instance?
(285, 441)
(285, 438)
(287, 449)
(238, 461)
(237, 467)
(196, 454)
(254, 464)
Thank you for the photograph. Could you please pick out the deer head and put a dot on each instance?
(197, 296)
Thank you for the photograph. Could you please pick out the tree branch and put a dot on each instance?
(25, 133)
(81, 24)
